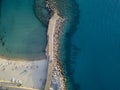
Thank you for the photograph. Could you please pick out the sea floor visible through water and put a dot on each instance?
(22, 35)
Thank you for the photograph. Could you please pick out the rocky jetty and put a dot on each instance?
(55, 78)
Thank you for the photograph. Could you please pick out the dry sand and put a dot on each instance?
(32, 74)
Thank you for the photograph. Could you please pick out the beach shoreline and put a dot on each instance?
(21, 59)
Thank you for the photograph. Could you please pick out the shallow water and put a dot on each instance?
(22, 34)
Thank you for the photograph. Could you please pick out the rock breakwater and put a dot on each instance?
(55, 78)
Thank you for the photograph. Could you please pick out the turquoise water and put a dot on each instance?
(22, 34)
(93, 50)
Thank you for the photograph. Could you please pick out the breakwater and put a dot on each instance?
(55, 78)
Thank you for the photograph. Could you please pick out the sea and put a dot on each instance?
(89, 43)
(91, 46)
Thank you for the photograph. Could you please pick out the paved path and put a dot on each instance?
(50, 48)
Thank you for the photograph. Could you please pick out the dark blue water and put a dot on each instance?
(93, 50)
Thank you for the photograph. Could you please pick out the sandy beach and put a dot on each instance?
(31, 74)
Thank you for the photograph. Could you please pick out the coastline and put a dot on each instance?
(21, 59)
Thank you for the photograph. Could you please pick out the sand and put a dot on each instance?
(32, 74)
